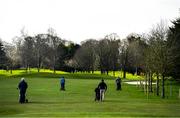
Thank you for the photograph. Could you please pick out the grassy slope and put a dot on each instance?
(78, 99)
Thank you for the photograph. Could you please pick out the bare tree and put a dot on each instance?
(114, 44)
(85, 56)
(158, 53)
(103, 52)
(54, 42)
(124, 56)
(27, 52)
(136, 47)
(41, 48)
(12, 57)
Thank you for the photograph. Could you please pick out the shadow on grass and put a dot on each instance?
(56, 102)
(3, 76)
(10, 111)
(114, 101)
(41, 102)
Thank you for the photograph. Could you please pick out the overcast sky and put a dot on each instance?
(77, 20)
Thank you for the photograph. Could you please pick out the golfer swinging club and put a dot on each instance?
(103, 87)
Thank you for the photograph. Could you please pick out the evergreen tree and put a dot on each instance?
(174, 46)
(3, 58)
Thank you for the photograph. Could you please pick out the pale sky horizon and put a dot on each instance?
(78, 20)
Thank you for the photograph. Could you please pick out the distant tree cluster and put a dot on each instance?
(39, 51)
(157, 52)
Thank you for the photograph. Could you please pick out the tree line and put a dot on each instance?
(39, 51)
(156, 52)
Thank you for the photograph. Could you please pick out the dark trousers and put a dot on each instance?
(118, 86)
(62, 86)
(22, 97)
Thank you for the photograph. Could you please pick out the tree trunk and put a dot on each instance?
(145, 84)
(29, 69)
(26, 68)
(54, 70)
(54, 63)
(150, 75)
(124, 70)
(11, 69)
(163, 87)
(124, 74)
(107, 71)
(38, 67)
(157, 85)
(101, 71)
(7, 68)
(136, 71)
(114, 73)
(149, 82)
(39, 61)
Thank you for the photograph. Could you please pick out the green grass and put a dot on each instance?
(129, 76)
(45, 99)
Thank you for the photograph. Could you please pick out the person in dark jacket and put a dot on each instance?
(22, 88)
(97, 94)
(103, 87)
(118, 83)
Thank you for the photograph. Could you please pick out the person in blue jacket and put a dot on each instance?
(62, 82)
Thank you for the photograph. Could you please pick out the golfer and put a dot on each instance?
(22, 89)
(103, 87)
(118, 83)
(62, 82)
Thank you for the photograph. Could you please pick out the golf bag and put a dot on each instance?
(97, 94)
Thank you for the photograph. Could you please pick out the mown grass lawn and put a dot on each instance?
(45, 99)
